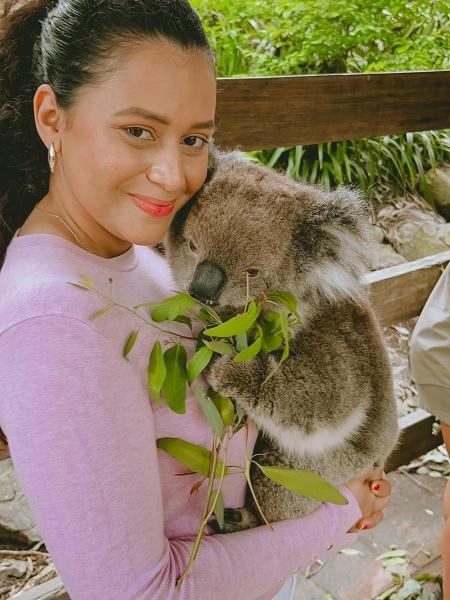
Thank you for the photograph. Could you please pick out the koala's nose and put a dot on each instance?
(207, 282)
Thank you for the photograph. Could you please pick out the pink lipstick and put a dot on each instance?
(152, 206)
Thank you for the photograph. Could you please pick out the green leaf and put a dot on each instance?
(218, 346)
(185, 320)
(174, 386)
(410, 588)
(241, 341)
(80, 287)
(394, 561)
(351, 552)
(271, 342)
(240, 412)
(285, 298)
(198, 362)
(219, 508)
(210, 411)
(284, 324)
(271, 316)
(392, 554)
(173, 307)
(156, 372)
(249, 352)
(236, 325)
(194, 457)
(388, 593)
(426, 577)
(304, 483)
(130, 343)
(208, 315)
(224, 405)
(87, 280)
(285, 353)
(102, 312)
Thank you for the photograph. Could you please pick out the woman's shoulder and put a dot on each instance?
(45, 276)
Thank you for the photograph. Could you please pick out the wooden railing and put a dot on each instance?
(268, 112)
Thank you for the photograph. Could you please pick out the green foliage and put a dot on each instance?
(174, 384)
(377, 166)
(156, 371)
(224, 406)
(131, 340)
(304, 483)
(194, 457)
(287, 37)
(404, 585)
(210, 411)
(170, 372)
(238, 324)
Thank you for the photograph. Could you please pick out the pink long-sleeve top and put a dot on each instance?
(115, 515)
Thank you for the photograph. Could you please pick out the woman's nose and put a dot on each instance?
(166, 169)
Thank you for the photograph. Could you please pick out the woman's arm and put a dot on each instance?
(81, 434)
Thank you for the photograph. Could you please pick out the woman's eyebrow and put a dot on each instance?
(146, 114)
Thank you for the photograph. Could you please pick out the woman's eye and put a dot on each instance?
(139, 133)
(192, 246)
(195, 141)
(252, 272)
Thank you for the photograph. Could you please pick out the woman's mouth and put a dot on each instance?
(152, 206)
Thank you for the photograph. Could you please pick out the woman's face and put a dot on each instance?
(133, 148)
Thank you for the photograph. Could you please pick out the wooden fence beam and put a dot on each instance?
(266, 112)
(399, 293)
(416, 438)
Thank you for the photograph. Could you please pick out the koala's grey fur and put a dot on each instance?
(330, 407)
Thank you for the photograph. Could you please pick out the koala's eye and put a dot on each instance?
(252, 272)
(192, 246)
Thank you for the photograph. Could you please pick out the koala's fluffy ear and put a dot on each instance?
(333, 242)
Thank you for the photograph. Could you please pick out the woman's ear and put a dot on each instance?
(48, 116)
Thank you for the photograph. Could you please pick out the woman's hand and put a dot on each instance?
(373, 493)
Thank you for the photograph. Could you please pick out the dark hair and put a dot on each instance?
(67, 44)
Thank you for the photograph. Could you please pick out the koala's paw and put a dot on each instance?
(235, 519)
(231, 378)
(220, 374)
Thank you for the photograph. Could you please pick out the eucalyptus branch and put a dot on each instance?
(136, 314)
(208, 510)
(247, 299)
(247, 476)
(248, 462)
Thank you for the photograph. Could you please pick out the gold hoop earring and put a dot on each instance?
(51, 157)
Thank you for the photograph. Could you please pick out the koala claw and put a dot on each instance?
(233, 515)
(235, 519)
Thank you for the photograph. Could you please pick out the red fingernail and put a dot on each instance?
(376, 487)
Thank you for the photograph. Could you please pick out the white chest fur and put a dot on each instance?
(321, 440)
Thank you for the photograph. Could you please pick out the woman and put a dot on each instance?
(121, 97)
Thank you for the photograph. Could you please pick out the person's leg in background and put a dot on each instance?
(446, 534)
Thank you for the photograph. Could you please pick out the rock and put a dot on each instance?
(385, 256)
(50, 590)
(16, 520)
(439, 182)
(377, 234)
(417, 240)
(413, 228)
(13, 567)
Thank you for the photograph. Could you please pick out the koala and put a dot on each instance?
(330, 407)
